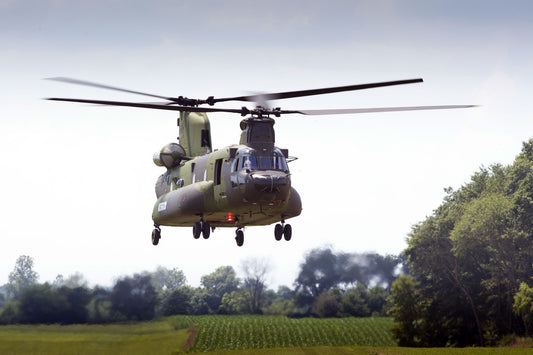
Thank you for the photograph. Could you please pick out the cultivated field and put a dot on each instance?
(261, 332)
(229, 335)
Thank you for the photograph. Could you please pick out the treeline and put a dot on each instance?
(329, 284)
(471, 263)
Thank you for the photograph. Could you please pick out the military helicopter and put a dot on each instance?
(245, 184)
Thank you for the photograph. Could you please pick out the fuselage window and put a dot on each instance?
(262, 162)
(249, 162)
(218, 171)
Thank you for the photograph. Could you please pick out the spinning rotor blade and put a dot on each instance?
(157, 106)
(102, 86)
(301, 93)
(244, 111)
(258, 98)
(376, 109)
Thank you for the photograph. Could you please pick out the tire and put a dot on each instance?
(206, 230)
(287, 232)
(278, 231)
(239, 238)
(196, 230)
(156, 235)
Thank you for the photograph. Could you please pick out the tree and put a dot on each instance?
(166, 279)
(321, 270)
(75, 309)
(254, 283)
(326, 305)
(405, 311)
(280, 301)
(354, 302)
(523, 306)
(134, 298)
(21, 277)
(324, 269)
(234, 303)
(40, 304)
(177, 302)
(469, 257)
(198, 304)
(222, 280)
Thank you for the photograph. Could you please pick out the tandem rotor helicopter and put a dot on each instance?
(245, 184)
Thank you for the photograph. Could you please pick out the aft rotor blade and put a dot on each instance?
(301, 93)
(102, 86)
(157, 106)
(376, 109)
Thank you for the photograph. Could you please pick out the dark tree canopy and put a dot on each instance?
(324, 269)
(468, 259)
(134, 298)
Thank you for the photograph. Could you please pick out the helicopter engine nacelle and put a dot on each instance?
(169, 156)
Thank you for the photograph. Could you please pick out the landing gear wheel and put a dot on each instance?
(156, 235)
(196, 230)
(278, 231)
(206, 230)
(239, 237)
(287, 232)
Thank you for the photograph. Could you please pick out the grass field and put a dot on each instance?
(227, 335)
(140, 338)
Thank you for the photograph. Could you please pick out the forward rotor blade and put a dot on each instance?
(376, 109)
(157, 106)
(301, 93)
(102, 86)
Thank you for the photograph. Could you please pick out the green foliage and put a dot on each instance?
(254, 284)
(354, 302)
(326, 305)
(323, 269)
(523, 306)
(41, 304)
(176, 302)
(222, 280)
(468, 259)
(21, 277)
(133, 298)
(405, 311)
(166, 279)
(234, 303)
(10, 313)
(280, 301)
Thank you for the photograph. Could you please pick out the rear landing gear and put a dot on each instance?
(283, 230)
(239, 237)
(156, 235)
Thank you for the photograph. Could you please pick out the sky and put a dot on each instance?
(77, 181)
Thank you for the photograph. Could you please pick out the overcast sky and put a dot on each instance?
(77, 182)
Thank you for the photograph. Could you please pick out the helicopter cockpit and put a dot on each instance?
(250, 159)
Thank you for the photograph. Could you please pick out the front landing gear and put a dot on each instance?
(283, 230)
(202, 228)
(156, 235)
(239, 237)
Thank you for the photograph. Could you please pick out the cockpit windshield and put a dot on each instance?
(249, 160)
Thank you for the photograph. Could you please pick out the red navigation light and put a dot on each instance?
(230, 217)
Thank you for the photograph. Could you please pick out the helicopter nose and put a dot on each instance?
(267, 186)
(269, 182)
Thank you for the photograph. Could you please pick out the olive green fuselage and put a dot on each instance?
(237, 186)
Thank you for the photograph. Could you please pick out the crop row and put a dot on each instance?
(260, 332)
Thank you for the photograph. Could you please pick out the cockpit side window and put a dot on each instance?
(248, 162)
